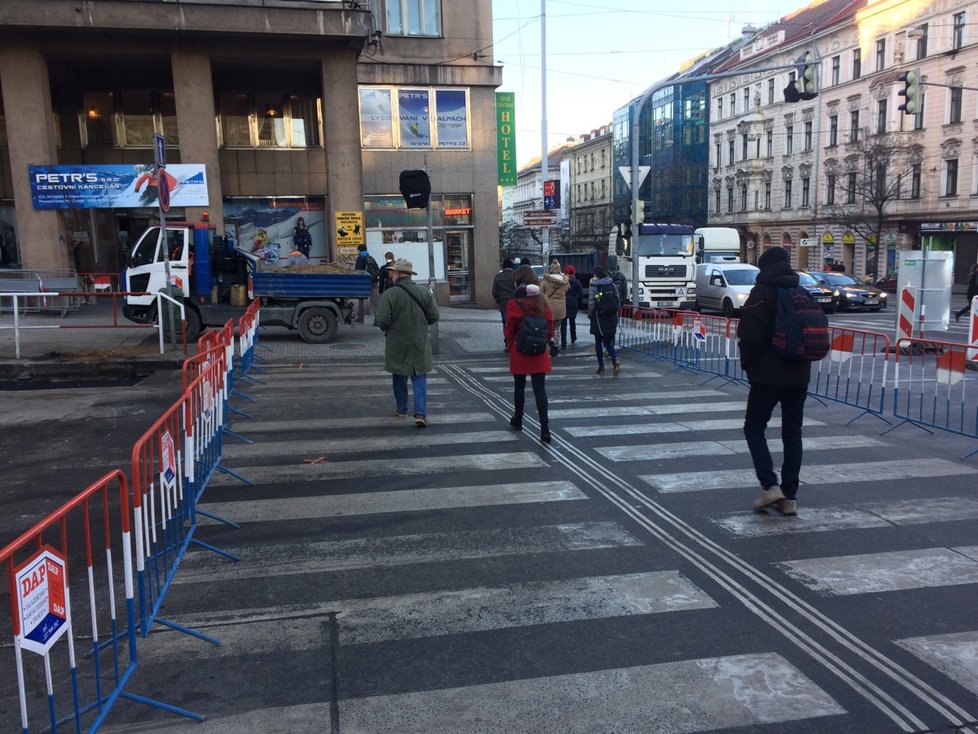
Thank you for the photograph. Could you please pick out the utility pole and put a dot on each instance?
(544, 162)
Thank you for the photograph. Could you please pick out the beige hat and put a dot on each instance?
(402, 266)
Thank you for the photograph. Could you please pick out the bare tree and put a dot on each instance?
(875, 172)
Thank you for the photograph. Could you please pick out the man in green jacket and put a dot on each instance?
(405, 313)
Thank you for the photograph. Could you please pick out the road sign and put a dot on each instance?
(806, 242)
(159, 143)
(626, 173)
(163, 188)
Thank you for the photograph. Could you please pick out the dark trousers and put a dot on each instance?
(539, 394)
(572, 322)
(601, 343)
(760, 404)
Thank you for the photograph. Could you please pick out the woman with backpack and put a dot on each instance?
(533, 360)
(573, 298)
(603, 303)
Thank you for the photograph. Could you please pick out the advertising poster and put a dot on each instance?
(375, 118)
(412, 107)
(115, 186)
(272, 229)
(452, 118)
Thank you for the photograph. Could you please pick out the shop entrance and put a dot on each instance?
(458, 265)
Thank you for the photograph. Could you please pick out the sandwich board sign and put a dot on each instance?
(42, 600)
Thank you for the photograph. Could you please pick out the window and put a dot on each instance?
(957, 34)
(99, 115)
(743, 197)
(269, 120)
(836, 64)
(413, 18)
(604, 158)
(592, 161)
(400, 118)
(604, 190)
(770, 91)
(954, 109)
(730, 198)
(880, 54)
(806, 188)
(879, 182)
(743, 147)
(833, 130)
(733, 104)
(746, 99)
(857, 64)
(951, 177)
(915, 180)
(716, 155)
(730, 151)
(770, 144)
(719, 108)
(881, 117)
(854, 126)
(830, 188)
(592, 191)
(918, 119)
(787, 194)
(851, 188)
(922, 41)
(716, 200)
(808, 135)
(767, 195)
(789, 139)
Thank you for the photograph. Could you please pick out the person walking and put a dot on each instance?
(406, 311)
(365, 263)
(385, 282)
(503, 289)
(773, 380)
(572, 304)
(972, 291)
(528, 300)
(554, 287)
(603, 303)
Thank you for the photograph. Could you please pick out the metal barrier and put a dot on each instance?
(248, 341)
(855, 371)
(60, 284)
(49, 596)
(932, 387)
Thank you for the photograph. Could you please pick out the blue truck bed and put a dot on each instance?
(311, 285)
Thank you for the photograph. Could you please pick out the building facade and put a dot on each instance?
(590, 177)
(298, 109)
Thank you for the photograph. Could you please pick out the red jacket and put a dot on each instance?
(526, 364)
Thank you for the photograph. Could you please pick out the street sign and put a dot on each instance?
(163, 187)
(159, 143)
(806, 242)
(626, 173)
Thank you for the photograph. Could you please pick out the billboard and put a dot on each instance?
(115, 186)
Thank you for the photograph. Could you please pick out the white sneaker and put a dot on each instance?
(768, 497)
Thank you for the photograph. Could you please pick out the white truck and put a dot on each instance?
(666, 262)
(717, 245)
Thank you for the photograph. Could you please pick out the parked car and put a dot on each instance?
(853, 294)
(827, 298)
(724, 286)
(888, 282)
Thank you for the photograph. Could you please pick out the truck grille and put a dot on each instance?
(665, 271)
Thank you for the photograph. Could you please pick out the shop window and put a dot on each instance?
(413, 17)
(425, 118)
(128, 118)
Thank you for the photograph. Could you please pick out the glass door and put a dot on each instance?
(457, 266)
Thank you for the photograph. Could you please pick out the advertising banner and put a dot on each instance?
(414, 117)
(453, 121)
(115, 186)
(375, 118)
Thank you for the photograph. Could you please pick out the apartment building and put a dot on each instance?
(269, 113)
(589, 179)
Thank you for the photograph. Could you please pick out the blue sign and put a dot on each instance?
(116, 186)
(160, 145)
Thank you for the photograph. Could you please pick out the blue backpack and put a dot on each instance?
(801, 328)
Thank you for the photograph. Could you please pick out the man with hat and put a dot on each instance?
(773, 380)
(406, 311)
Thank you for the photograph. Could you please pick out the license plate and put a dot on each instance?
(665, 304)
(872, 301)
(825, 300)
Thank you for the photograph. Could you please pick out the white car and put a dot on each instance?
(723, 286)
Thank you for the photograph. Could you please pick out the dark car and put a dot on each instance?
(828, 298)
(852, 293)
(888, 283)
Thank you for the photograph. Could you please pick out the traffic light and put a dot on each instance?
(805, 85)
(910, 92)
(640, 212)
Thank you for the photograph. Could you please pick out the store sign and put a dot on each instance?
(506, 138)
(116, 186)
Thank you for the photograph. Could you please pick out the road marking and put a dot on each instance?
(408, 500)
(721, 424)
(955, 655)
(308, 425)
(876, 572)
(680, 449)
(404, 466)
(620, 410)
(340, 446)
(870, 471)
(401, 550)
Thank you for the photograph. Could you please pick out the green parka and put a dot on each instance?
(405, 323)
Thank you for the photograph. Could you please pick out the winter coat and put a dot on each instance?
(763, 365)
(503, 288)
(526, 364)
(407, 349)
(574, 296)
(601, 324)
(554, 288)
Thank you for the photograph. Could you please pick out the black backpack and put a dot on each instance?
(606, 300)
(372, 268)
(532, 336)
(801, 328)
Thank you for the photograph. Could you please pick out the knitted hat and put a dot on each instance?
(771, 256)
(532, 290)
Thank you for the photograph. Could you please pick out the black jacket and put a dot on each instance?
(972, 286)
(574, 296)
(763, 365)
(503, 288)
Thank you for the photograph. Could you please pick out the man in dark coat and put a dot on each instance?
(503, 288)
(773, 380)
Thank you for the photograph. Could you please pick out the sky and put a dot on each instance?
(602, 53)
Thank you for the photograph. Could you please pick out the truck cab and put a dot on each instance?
(666, 262)
(147, 265)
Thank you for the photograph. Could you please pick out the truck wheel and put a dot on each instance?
(194, 325)
(728, 308)
(317, 325)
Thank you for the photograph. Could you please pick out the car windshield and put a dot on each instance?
(661, 245)
(837, 279)
(741, 276)
(806, 279)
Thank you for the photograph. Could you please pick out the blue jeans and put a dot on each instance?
(760, 404)
(419, 386)
(602, 342)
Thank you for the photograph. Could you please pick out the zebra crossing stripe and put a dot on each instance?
(404, 466)
(953, 654)
(400, 550)
(308, 425)
(408, 500)
(720, 448)
(870, 471)
(622, 410)
(628, 429)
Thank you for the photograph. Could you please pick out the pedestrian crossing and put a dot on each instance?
(467, 578)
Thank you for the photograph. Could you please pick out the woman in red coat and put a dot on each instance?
(528, 300)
